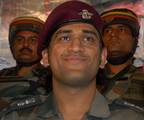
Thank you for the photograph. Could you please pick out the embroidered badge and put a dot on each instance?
(86, 14)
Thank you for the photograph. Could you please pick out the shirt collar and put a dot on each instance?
(48, 109)
(99, 107)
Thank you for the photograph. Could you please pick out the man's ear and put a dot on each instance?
(45, 60)
(103, 58)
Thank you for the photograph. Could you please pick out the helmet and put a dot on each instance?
(126, 17)
(122, 16)
(23, 23)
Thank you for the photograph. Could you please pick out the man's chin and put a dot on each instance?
(25, 57)
(118, 60)
(27, 62)
(116, 54)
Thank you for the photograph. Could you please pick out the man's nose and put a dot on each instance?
(25, 42)
(76, 44)
(114, 32)
(115, 37)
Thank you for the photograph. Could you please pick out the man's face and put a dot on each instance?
(74, 54)
(118, 40)
(25, 46)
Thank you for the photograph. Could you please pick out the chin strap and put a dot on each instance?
(112, 80)
(119, 60)
(123, 59)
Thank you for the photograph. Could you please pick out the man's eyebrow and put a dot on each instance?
(121, 26)
(63, 31)
(18, 36)
(90, 32)
(69, 31)
(34, 36)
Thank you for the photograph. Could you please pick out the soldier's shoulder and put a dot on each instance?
(23, 105)
(121, 109)
(138, 74)
(7, 71)
(41, 70)
(140, 69)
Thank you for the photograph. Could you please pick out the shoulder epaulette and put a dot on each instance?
(30, 101)
(119, 103)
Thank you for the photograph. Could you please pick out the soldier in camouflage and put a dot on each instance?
(73, 37)
(28, 77)
(120, 36)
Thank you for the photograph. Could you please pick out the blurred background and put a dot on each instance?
(9, 9)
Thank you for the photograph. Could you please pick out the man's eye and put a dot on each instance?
(19, 39)
(33, 39)
(64, 38)
(89, 39)
(107, 31)
(122, 29)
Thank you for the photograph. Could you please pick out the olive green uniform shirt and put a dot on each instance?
(99, 110)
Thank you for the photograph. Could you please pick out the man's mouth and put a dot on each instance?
(115, 53)
(25, 50)
(75, 59)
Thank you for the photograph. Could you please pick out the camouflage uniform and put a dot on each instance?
(100, 110)
(39, 77)
(38, 81)
(127, 84)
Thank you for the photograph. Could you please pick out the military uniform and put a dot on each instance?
(37, 82)
(100, 110)
(48, 110)
(127, 84)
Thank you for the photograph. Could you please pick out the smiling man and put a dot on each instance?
(77, 44)
(72, 35)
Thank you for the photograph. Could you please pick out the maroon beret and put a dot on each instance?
(71, 11)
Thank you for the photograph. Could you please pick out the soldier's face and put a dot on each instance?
(25, 46)
(118, 40)
(74, 54)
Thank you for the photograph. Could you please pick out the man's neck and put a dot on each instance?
(114, 69)
(25, 70)
(74, 103)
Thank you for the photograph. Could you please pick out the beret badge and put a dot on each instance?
(86, 14)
